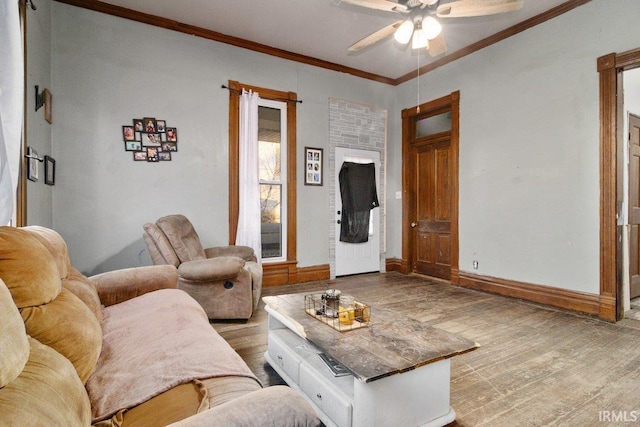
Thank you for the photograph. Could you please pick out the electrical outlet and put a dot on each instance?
(475, 265)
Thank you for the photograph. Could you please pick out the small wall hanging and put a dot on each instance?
(150, 140)
(32, 164)
(313, 166)
(49, 170)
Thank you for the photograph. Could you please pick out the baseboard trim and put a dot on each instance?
(286, 273)
(397, 264)
(581, 302)
(313, 273)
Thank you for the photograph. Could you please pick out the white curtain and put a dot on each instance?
(11, 108)
(249, 218)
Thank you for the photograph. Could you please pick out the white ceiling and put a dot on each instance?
(324, 29)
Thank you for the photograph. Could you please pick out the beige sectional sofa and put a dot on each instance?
(125, 348)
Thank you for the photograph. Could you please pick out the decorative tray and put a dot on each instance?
(340, 318)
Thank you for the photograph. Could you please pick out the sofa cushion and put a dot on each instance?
(47, 392)
(67, 325)
(140, 362)
(27, 268)
(55, 244)
(72, 279)
(168, 407)
(83, 288)
(14, 346)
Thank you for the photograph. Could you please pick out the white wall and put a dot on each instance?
(39, 195)
(529, 155)
(107, 71)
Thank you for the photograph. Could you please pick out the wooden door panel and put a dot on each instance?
(443, 249)
(425, 185)
(433, 209)
(442, 196)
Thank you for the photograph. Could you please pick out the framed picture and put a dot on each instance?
(164, 156)
(32, 170)
(170, 146)
(172, 134)
(140, 156)
(161, 125)
(150, 124)
(132, 146)
(49, 170)
(128, 133)
(152, 154)
(313, 166)
(151, 139)
(138, 125)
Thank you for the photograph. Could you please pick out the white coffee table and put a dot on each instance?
(400, 368)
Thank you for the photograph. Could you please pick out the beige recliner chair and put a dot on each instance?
(226, 281)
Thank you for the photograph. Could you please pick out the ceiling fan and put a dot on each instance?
(420, 27)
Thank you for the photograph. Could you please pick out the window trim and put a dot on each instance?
(235, 89)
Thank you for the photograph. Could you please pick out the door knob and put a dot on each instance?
(414, 224)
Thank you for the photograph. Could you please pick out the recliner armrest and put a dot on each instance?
(271, 406)
(211, 269)
(121, 285)
(244, 252)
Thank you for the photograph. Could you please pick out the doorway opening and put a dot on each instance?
(614, 265)
(631, 195)
(356, 126)
(430, 147)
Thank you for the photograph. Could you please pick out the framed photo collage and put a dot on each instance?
(150, 140)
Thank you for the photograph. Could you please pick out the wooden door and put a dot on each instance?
(432, 226)
(634, 204)
(430, 141)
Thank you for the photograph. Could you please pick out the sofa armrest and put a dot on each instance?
(244, 252)
(120, 285)
(212, 269)
(271, 406)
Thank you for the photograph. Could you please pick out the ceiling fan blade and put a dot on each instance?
(375, 37)
(467, 8)
(387, 5)
(437, 46)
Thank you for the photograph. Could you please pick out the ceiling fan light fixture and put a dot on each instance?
(431, 27)
(403, 33)
(420, 39)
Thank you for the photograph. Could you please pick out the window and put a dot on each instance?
(433, 124)
(277, 174)
(272, 130)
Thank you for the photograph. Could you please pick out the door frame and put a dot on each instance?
(610, 68)
(449, 102)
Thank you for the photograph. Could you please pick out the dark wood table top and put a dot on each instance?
(391, 344)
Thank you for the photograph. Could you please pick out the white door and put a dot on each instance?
(354, 258)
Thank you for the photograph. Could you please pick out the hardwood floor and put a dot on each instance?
(535, 365)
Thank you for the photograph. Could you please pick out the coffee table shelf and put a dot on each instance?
(389, 385)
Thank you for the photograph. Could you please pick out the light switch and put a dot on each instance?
(398, 194)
